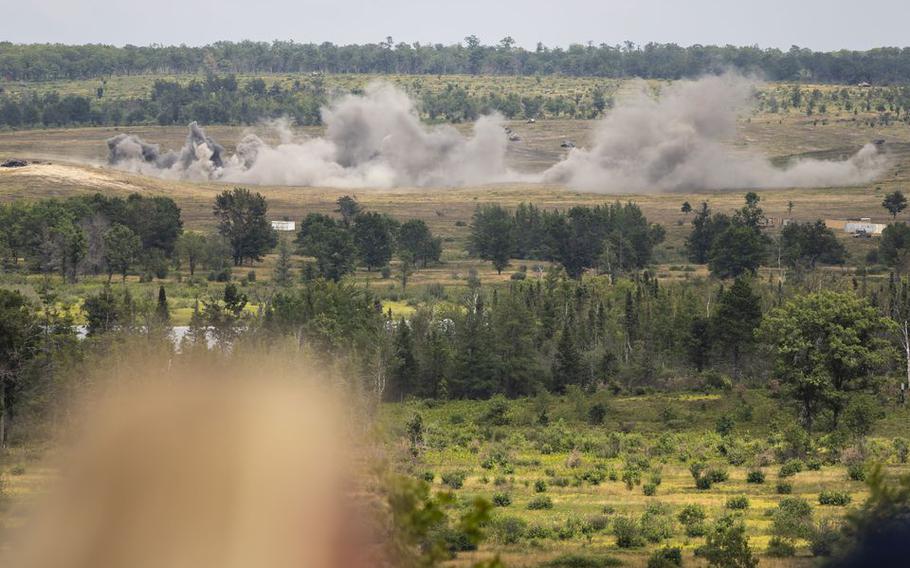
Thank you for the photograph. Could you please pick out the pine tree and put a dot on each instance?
(567, 364)
(163, 311)
(282, 276)
(738, 315)
(403, 376)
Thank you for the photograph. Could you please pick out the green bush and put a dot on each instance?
(454, 479)
(627, 532)
(538, 532)
(429, 476)
(502, 499)
(649, 489)
(755, 476)
(737, 503)
(509, 530)
(666, 557)
(790, 468)
(780, 548)
(692, 517)
(540, 486)
(580, 561)
(784, 488)
(656, 523)
(857, 471)
(540, 502)
(813, 464)
(836, 498)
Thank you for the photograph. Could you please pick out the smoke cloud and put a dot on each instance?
(676, 142)
(373, 140)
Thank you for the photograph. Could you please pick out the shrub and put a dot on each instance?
(649, 489)
(857, 471)
(540, 486)
(500, 480)
(428, 476)
(509, 530)
(631, 476)
(726, 545)
(718, 474)
(703, 483)
(901, 449)
(538, 531)
(724, 425)
(597, 523)
(790, 468)
(784, 488)
(692, 517)
(824, 539)
(502, 499)
(666, 557)
(835, 498)
(813, 464)
(627, 533)
(540, 502)
(560, 481)
(656, 523)
(597, 413)
(737, 503)
(779, 548)
(792, 519)
(755, 476)
(17, 470)
(580, 561)
(454, 479)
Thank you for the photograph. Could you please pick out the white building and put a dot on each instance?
(284, 225)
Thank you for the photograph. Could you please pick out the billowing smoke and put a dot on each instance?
(677, 142)
(373, 140)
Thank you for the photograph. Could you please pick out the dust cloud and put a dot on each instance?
(677, 143)
(249, 469)
(371, 140)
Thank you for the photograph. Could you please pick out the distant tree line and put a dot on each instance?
(90, 234)
(223, 100)
(43, 62)
(614, 238)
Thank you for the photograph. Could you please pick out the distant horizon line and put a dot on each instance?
(626, 45)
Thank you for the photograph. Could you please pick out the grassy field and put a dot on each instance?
(510, 455)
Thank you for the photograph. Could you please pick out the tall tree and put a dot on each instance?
(372, 233)
(242, 221)
(737, 317)
(348, 208)
(415, 237)
(568, 368)
(491, 236)
(18, 337)
(192, 247)
(827, 344)
(805, 244)
(329, 242)
(895, 202)
(282, 275)
(405, 371)
(121, 247)
(894, 246)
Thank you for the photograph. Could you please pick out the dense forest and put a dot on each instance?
(43, 62)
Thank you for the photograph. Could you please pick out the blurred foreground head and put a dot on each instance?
(200, 472)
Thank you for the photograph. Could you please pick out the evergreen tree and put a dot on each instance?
(491, 236)
(404, 370)
(282, 275)
(372, 235)
(734, 322)
(568, 368)
(162, 311)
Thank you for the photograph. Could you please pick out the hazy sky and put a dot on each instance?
(818, 24)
